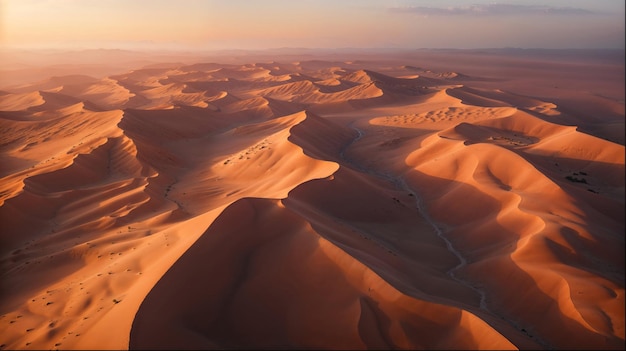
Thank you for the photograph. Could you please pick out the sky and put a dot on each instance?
(257, 24)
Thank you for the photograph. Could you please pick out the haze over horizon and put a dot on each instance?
(214, 25)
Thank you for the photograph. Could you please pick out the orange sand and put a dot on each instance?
(325, 203)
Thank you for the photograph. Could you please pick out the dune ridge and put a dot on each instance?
(307, 204)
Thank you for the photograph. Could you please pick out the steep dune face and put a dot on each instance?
(531, 200)
(262, 277)
(310, 204)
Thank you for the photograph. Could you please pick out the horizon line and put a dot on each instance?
(202, 50)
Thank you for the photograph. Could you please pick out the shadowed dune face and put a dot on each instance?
(313, 204)
(264, 278)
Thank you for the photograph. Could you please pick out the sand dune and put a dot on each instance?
(383, 203)
(23, 101)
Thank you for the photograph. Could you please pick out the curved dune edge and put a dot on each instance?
(115, 187)
(260, 276)
(359, 204)
(540, 217)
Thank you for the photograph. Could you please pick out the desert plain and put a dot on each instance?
(415, 199)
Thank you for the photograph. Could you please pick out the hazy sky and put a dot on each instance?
(253, 24)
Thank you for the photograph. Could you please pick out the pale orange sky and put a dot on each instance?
(213, 24)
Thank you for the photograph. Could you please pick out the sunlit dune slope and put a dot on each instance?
(309, 204)
(262, 277)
